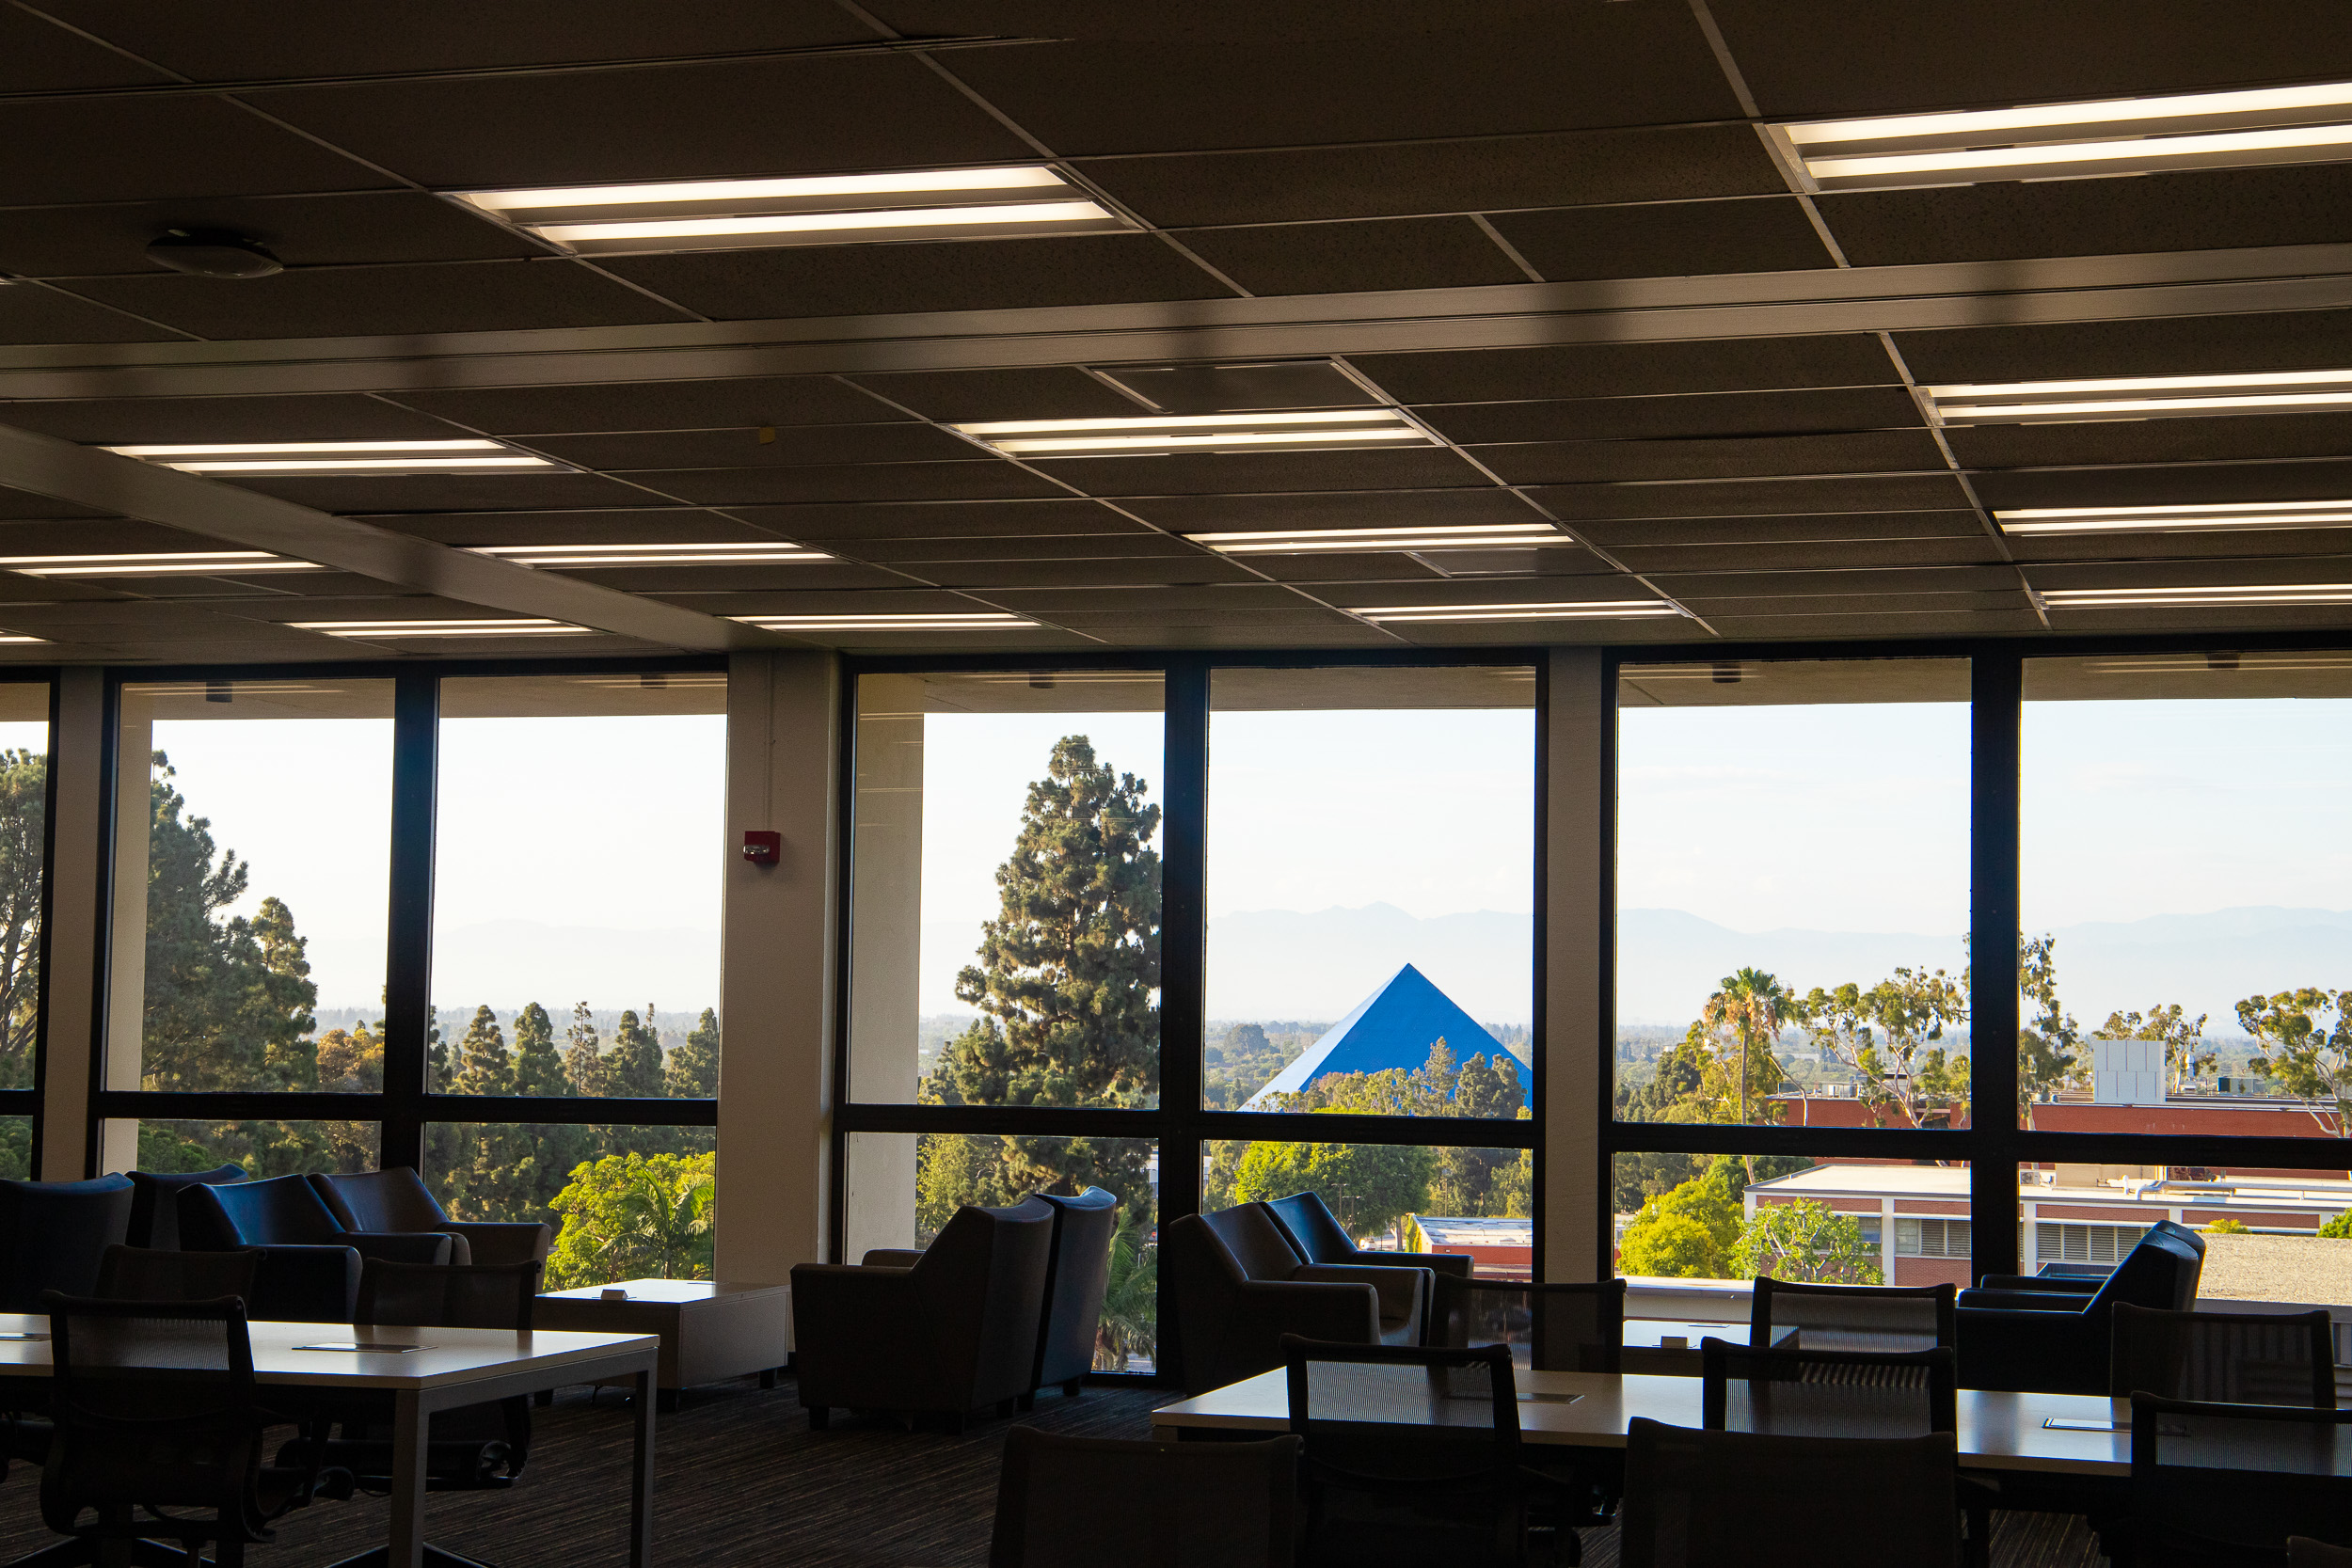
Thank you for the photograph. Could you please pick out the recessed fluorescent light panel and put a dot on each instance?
(976, 620)
(1600, 610)
(2175, 519)
(371, 631)
(841, 209)
(2077, 142)
(580, 558)
(1357, 539)
(2142, 397)
(167, 563)
(1298, 430)
(340, 457)
(15, 639)
(2198, 599)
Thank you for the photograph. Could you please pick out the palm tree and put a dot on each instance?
(1752, 1004)
(1131, 1296)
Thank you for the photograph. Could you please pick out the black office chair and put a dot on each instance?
(2224, 1357)
(1876, 1318)
(1549, 1328)
(1080, 1502)
(472, 1448)
(137, 1274)
(1412, 1454)
(1713, 1500)
(155, 1416)
(2226, 1484)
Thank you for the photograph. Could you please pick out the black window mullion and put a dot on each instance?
(1997, 691)
(1184, 932)
(408, 958)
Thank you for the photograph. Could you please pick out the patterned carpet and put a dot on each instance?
(742, 1481)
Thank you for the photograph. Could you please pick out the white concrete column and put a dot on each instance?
(776, 1089)
(1577, 962)
(126, 966)
(71, 976)
(886, 1003)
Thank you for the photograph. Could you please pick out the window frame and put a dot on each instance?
(405, 1108)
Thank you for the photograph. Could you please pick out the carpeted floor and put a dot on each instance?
(741, 1480)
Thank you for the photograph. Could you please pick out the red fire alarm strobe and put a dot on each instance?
(761, 847)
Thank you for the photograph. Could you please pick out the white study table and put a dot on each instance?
(1998, 1432)
(455, 1367)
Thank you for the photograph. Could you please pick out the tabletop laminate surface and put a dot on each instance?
(1997, 1430)
(448, 1355)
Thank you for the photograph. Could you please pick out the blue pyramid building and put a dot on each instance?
(1393, 1027)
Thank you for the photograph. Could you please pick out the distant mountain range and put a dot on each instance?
(507, 963)
(1284, 963)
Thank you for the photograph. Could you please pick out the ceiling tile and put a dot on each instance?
(1559, 69)
(2187, 547)
(747, 402)
(937, 520)
(1197, 473)
(2257, 572)
(242, 40)
(2172, 345)
(122, 421)
(1673, 239)
(136, 148)
(2011, 220)
(1071, 605)
(330, 302)
(300, 230)
(1074, 547)
(985, 479)
(893, 280)
(1830, 528)
(1860, 602)
(1166, 571)
(31, 313)
(1877, 622)
(1993, 578)
(1756, 497)
(1716, 457)
(452, 492)
(1856, 56)
(696, 121)
(744, 578)
(1213, 513)
(2159, 486)
(25, 503)
(2018, 446)
(1044, 393)
(1404, 179)
(652, 525)
(1630, 370)
(1789, 413)
(1766, 556)
(1350, 257)
(904, 441)
(38, 56)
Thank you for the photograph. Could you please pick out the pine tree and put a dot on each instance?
(538, 1067)
(636, 1059)
(484, 1066)
(692, 1072)
(23, 803)
(591, 1071)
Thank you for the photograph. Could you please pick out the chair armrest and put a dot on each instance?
(860, 1337)
(1402, 1290)
(1345, 1311)
(401, 1246)
(1458, 1264)
(498, 1242)
(892, 1258)
(2030, 1351)
(306, 1284)
(2049, 1284)
(2042, 1303)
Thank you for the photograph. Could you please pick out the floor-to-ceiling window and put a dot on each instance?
(24, 743)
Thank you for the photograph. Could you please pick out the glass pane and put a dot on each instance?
(1792, 893)
(1370, 891)
(264, 1149)
(628, 1202)
(902, 1187)
(23, 822)
(577, 885)
(2269, 1235)
(2185, 835)
(16, 1148)
(1394, 1197)
(1698, 1216)
(1004, 939)
(249, 897)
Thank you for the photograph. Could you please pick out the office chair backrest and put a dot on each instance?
(53, 1233)
(1079, 1502)
(381, 1200)
(2231, 1481)
(155, 1202)
(1550, 1329)
(1310, 1228)
(2160, 1271)
(1253, 1243)
(283, 1210)
(2224, 1357)
(1077, 1272)
(1403, 1414)
(445, 1296)
(1697, 1499)
(2304, 1552)
(1876, 1318)
(141, 1273)
(1810, 1393)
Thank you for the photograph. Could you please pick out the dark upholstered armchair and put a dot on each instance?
(1236, 1286)
(53, 1235)
(954, 1331)
(1318, 1237)
(155, 1202)
(309, 1262)
(1076, 1273)
(397, 1201)
(2051, 1336)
